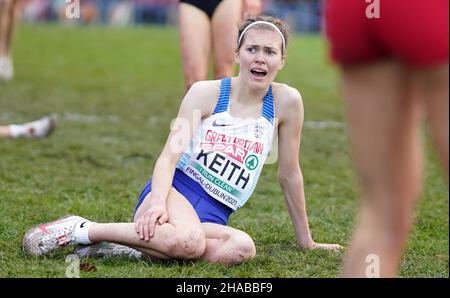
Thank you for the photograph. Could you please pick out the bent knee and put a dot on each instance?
(245, 246)
(240, 248)
(187, 244)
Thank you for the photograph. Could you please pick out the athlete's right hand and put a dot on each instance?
(146, 223)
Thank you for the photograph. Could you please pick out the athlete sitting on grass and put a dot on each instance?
(183, 211)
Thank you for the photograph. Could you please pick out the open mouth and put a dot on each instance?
(259, 73)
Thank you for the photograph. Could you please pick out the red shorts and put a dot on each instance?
(413, 31)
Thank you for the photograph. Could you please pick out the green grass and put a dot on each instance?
(114, 92)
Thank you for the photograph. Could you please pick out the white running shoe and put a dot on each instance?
(6, 68)
(47, 237)
(106, 250)
(40, 128)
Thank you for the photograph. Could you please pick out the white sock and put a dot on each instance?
(17, 131)
(81, 232)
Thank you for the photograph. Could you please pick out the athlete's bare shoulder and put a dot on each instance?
(286, 99)
(203, 95)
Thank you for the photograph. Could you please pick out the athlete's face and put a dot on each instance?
(260, 56)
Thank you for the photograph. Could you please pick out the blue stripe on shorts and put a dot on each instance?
(208, 209)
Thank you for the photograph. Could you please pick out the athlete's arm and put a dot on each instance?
(289, 173)
(196, 104)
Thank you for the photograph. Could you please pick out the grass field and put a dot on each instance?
(114, 93)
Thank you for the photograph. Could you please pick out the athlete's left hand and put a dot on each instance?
(252, 8)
